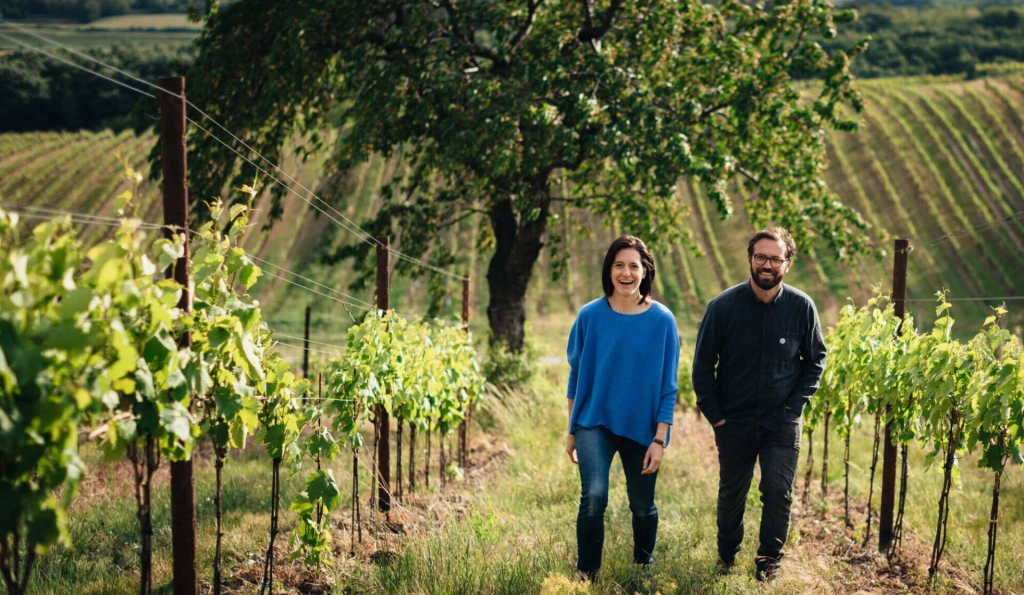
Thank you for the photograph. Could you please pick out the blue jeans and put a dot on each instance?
(595, 448)
(742, 443)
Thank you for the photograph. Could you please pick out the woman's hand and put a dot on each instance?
(652, 460)
(570, 449)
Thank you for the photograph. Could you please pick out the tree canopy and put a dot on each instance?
(492, 103)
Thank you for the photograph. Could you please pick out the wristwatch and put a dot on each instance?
(660, 442)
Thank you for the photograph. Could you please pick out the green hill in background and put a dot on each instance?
(931, 159)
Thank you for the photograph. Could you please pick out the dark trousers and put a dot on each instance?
(741, 443)
(595, 448)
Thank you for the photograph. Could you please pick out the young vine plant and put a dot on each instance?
(954, 398)
(91, 349)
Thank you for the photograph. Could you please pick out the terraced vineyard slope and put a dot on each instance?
(931, 160)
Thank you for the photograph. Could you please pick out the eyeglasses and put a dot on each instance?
(760, 259)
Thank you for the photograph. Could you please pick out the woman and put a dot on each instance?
(623, 353)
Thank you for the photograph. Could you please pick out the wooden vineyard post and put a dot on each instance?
(381, 414)
(899, 296)
(175, 197)
(464, 426)
(305, 344)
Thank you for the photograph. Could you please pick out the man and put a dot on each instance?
(758, 359)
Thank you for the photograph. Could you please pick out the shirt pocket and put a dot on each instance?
(783, 348)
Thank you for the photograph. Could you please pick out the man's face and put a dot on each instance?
(765, 272)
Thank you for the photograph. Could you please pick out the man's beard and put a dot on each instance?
(762, 283)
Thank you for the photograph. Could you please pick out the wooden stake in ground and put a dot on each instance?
(175, 196)
(899, 296)
(381, 414)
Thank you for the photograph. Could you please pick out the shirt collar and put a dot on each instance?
(753, 296)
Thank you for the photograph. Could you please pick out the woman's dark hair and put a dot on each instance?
(646, 261)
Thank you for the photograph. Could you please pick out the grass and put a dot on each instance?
(520, 536)
(162, 30)
(514, 533)
(154, 22)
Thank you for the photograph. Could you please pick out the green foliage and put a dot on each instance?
(953, 397)
(89, 345)
(686, 397)
(494, 104)
(506, 368)
(41, 93)
(422, 374)
(85, 10)
(934, 40)
(977, 382)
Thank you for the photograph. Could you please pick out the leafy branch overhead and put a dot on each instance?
(490, 103)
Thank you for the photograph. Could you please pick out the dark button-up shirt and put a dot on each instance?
(758, 360)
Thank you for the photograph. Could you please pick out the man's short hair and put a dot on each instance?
(772, 233)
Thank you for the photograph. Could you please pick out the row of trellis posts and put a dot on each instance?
(175, 200)
(175, 203)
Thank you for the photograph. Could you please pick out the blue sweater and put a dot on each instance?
(623, 370)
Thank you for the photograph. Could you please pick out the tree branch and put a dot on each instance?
(474, 48)
(796, 46)
(746, 174)
(597, 32)
(531, 16)
(417, 178)
(580, 199)
(588, 18)
(461, 217)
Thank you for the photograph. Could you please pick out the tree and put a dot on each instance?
(493, 104)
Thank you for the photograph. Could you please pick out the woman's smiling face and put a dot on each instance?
(627, 272)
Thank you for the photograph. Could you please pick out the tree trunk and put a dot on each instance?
(941, 529)
(398, 474)
(846, 460)
(824, 454)
(897, 532)
(412, 458)
(846, 480)
(144, 465)
(267, 585)
(874, 465)
(440, 458)
(218, 501)
(517, 247)
(810, 466)
(990, 560)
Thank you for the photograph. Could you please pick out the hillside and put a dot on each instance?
(930, 159)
